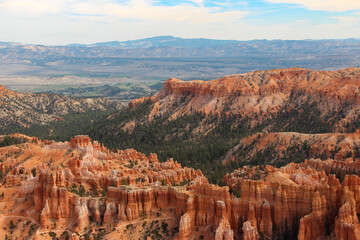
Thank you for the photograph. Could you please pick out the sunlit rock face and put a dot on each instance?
(260, 95)
(303, 198)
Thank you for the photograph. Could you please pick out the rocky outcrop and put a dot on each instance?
(259, 95)
(82, 141)
(81, 215)
(224, 232)
(347, 225)
(313, 226)
(250, 232)
(187, 221)
(136, 102)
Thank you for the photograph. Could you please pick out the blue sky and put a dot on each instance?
(89, 21)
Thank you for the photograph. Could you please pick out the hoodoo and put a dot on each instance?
(80, 187)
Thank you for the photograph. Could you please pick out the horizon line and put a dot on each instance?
(182, 38)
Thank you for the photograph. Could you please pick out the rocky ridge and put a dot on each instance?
(338, 146)
(262, 95)
(25, 109)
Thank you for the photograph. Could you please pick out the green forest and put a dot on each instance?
(180, 140)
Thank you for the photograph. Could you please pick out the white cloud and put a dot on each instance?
(324, 5)
(66, 21)
(133, 9)
(349, 20)
(89, 21)
(198, 2)
(32, 7)
(345, 18)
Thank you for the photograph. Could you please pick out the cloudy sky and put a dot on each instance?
(90, 21)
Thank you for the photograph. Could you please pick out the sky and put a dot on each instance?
(58, 22)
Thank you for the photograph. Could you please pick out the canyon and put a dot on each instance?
(82, 190)
(262, 155)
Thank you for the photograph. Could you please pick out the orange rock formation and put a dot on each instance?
(260, 95)
(298, 196)
(82, 187)
(339, 146)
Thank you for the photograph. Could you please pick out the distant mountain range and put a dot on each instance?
(167, 41)
(176, 42)
(167, 56)
(168, 46)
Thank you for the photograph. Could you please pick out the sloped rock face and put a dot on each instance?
(338, 146)
(260, 95)
(6, 92)
(25, 109)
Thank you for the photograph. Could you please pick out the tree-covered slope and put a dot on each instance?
(198, 123)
